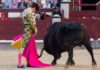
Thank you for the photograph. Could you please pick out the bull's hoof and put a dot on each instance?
(70, 62)
(53, 63)
(94, 63)
(73, 63)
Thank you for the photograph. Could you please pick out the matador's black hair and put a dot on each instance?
(35, 5)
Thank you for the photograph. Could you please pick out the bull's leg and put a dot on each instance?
(70, 60)
(57, 56)
(54, 62)
(88, 46)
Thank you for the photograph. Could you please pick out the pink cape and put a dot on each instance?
(30, 53)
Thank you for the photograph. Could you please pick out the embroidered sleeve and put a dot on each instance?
(30, 19)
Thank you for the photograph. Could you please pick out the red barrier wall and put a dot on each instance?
(12, 27)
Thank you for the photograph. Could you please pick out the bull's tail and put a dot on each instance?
(41, 53)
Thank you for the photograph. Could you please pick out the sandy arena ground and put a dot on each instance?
(8, 60)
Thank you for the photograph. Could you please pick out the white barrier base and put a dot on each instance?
(9, 41)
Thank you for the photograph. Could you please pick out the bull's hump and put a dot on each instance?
(73, 26)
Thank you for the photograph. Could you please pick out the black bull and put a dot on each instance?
(63, 37)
